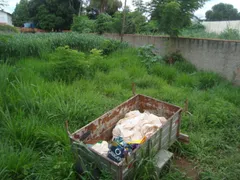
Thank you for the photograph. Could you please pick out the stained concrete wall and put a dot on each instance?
(220, 56)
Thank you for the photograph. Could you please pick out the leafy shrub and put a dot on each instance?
(208, 80)
(67, 65)
(148, 55)
(82, 24)
(110, 46)
(68, 71)
(173, 57)
(215, 113)
(166, 72)
(103, 23)
(186, 80)
(97, 62)
(8, 29)
(231, 34)
(65, 54)
(185, 67)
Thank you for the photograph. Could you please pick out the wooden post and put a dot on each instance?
(123, 20)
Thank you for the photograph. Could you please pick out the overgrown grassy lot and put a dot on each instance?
(38, 94)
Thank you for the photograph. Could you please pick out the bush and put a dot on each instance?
(103, 23)
(231, 34)
(66, 65)
(8, 29)
(185, 67)
(173, 57)
(82, 24)
(148, 55)
(97, 62)
(166, 72)
(208, 80)
(186, 80)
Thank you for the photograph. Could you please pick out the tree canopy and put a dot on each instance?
(58, 14)
(46, 14)
(106, 6)
(21, 13)
(222, 12)
(174, 15)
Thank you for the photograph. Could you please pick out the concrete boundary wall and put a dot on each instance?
(220, 56)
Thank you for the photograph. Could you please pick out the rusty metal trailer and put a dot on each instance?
(101, 129)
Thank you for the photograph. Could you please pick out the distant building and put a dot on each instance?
(220, 26)
(29, 25)
(5, 18)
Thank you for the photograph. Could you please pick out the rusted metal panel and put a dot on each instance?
(101, 129)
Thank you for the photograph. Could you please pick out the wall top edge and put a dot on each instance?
(180, 37)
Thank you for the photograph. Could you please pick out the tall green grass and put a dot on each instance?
(33, 109)
(25, 45)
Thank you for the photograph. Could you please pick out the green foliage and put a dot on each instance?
(171, 20)
(230, 34)
(186, 80)
(173, 57)
(140, 6)
(148, 55)
(103, 23)
(135, 23)
(24, 45)
(208, 80)
(172, 16)
(8, 29)
(185, 67)
(105, 6)
(164, 71)
(82, 24)
(222, 12)
(145, 168)
(16, 163)
(34, 143)
(68, 65)
(48, 15)
(21, 13)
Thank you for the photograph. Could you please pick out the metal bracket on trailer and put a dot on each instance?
(183, 138)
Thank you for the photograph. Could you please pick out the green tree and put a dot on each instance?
(174, 15)
(140, 6)
(222, 12)
(53, 14)
(21, 13)
(106, 6)
(103, 23)
(135, 22)
(82, 24)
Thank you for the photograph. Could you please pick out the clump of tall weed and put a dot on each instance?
(166, 72)
(17, 163)
(173, 57)
(208, 80)
(185, 67)
(148, 55)
(186, 80)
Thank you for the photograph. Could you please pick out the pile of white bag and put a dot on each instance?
(136, 126)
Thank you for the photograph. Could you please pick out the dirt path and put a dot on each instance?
(186, 167)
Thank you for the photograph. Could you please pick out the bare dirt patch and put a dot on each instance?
(186, 167)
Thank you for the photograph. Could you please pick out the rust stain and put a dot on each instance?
(101, 128)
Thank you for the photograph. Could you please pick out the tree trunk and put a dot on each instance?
(123, 21)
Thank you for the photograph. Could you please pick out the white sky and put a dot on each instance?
(200, 13)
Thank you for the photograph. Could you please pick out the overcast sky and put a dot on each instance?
(200, 13)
